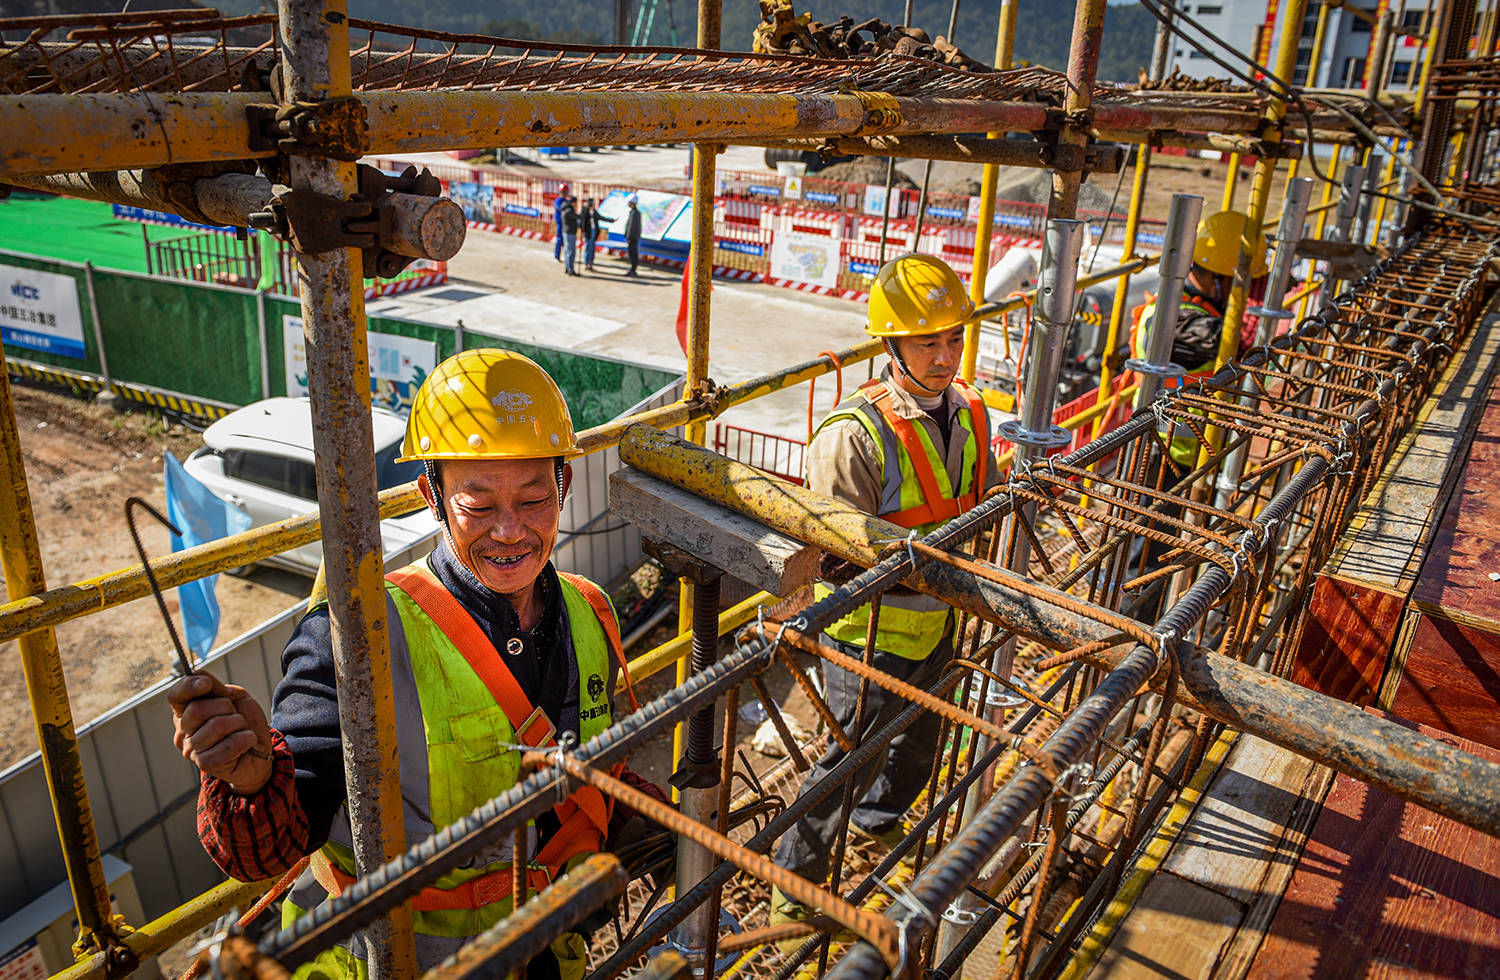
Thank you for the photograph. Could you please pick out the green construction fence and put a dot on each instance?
(197, 348)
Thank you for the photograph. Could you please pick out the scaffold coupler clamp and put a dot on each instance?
(316, 223)
(119, 959)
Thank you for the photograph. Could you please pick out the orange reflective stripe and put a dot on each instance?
(473, 894)
(906, 433)
(454, 620)
(601, 607)
(979, 418)
(935, 506)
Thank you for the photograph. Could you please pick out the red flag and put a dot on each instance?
(682, 311)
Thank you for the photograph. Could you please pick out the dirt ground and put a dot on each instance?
(82, 461)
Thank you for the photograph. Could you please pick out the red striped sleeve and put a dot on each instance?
(255, 837)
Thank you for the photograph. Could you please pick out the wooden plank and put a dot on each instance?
(1388, 538)
(1351, 628)
(1452, 680)
(1175, 929)
(739, 545)
(1388, 888)
(1455, 577)
(1239, 826)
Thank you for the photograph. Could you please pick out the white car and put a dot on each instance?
(260, 459)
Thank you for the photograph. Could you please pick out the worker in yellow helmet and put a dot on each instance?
(491, 648)
(1200, 318)
(912, 447)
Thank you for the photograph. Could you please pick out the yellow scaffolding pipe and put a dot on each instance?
(1231, 183)
(988, 185)
(1260, 192)
(47, 690)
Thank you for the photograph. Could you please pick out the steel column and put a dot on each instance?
(41, 664)
(1176, 262)
(314, 38)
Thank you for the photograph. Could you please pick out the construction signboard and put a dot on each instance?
(39, 311)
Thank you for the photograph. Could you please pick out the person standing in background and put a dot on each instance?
(557, 228)
(633, 234)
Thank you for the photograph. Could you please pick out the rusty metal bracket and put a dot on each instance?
(316, 223)
(336, 128)
(1063, 156)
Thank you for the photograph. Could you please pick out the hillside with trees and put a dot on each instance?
(1043, 27)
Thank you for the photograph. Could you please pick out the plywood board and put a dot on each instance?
(1456, 576)
(1387, 888)
(1388, 538)
(1351, 628)
(1452, 679)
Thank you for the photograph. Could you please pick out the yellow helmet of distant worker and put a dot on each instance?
(489, 404)
(916, 295)
(1218, 246)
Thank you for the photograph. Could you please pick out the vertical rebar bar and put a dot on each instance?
(47, 690)
(314, 39)
(1033, 435)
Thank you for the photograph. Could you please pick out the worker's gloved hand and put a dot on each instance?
(220, 729)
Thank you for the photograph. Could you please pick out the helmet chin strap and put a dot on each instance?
(890, 348)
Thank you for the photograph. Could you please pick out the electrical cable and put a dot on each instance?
(1294, 97)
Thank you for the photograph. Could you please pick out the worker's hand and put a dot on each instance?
(220, 729)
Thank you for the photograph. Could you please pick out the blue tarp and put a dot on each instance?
(201, 517)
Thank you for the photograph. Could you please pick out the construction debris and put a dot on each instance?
(1178, 82)
(784, 31)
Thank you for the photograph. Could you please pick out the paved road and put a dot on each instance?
(511, 287)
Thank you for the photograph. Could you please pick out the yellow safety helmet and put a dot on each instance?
(916, 295)
(489, 404)
(1218, 246)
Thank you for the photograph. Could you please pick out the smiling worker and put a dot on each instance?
(491, 648)
(913, 448)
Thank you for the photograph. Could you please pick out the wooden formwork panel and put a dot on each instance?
(1355, 613)
(1387, 888)
(1452, 679)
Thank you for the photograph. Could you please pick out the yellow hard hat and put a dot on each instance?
(1218, 247)
(916, 295)
(489, 404)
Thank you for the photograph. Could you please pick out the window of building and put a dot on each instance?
(1208, 10)
(1358, 25)
(1354, 70)
(1413, 19)
(1195, 53)
(1400, 72)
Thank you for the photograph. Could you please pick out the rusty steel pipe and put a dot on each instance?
(88, 131)
(1083, 69)
(530, 929)
(422, 227)
(314, 38)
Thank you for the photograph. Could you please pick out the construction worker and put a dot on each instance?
(1200, 318)
(912, 447)
(491, 648)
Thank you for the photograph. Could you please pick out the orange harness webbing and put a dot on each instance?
(935, 506)
(584, 815)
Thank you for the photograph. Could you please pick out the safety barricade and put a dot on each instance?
(743, 249)
(778, 455)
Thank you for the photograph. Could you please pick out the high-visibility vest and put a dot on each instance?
(1184, 443)
(460, 716)
(916, 493)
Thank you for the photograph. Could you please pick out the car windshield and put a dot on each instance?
(389, 473)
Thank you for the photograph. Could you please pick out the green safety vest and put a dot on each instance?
(457, 744)
(1183, 445)
(915, 493)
